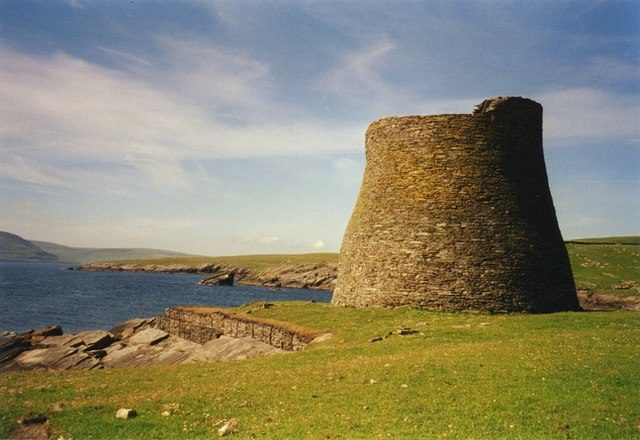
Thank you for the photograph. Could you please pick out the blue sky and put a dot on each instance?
(238, 127)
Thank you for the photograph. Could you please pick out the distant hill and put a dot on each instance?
(90, 255)
(628, 240)
(16, 248)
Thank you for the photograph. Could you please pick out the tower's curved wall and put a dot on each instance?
(455, 213)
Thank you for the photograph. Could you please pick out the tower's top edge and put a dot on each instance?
(488, 105)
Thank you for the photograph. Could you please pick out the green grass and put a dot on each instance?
(630, 239)
(563, 375)
(600, 266)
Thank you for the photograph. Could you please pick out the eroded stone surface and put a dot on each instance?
(136, 342)
(226, 348)
(455, 214)
(148, 336)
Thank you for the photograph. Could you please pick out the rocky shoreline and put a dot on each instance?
(317, 276)
(181, 335)
(132, 343)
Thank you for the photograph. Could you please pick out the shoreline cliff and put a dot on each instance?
(316, 276)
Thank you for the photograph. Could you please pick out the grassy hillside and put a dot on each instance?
(90, 255)
(16, 248)
(563, 375)
(607, 268)
(631, 240)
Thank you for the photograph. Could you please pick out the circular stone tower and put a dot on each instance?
(455, 214)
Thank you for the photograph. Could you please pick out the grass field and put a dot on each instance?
(600, 267)
(563, 375)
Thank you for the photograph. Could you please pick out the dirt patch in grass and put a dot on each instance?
(600, 301)
(32, 428)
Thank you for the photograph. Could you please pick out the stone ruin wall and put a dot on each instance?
(201, 328)
(455, 214)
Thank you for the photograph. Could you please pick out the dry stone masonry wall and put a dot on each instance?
(455, 213)
(202, 327)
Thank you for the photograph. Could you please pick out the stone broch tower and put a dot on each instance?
(455, 214)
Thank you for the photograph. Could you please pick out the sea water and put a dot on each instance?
(34, 295)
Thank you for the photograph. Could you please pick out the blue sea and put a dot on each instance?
(34, 295)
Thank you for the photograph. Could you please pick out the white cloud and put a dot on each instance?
(61, 113)
(318, 245)
(357, 71)
(574, 114)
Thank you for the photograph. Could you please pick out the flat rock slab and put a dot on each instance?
(11, 347)
(93, 340)
(98, 339)
(226, 348)
(149, 336)
(129, 328)
(76, 361)
(39, 334)
(43, 357)
(120, 357)
(175, 343)
(57, 340)
(171, 357)
(132, 356)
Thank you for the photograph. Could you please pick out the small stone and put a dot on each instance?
(228, 427)
(372, 381)
(404, 385)
(166, 413)
(126, 413)
(376, 339)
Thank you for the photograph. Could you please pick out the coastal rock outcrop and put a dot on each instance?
(317, 276)
(185, 334)
(219, 279)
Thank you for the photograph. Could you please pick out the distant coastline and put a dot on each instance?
(290, 271)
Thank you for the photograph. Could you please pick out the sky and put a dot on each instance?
(219, 128)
